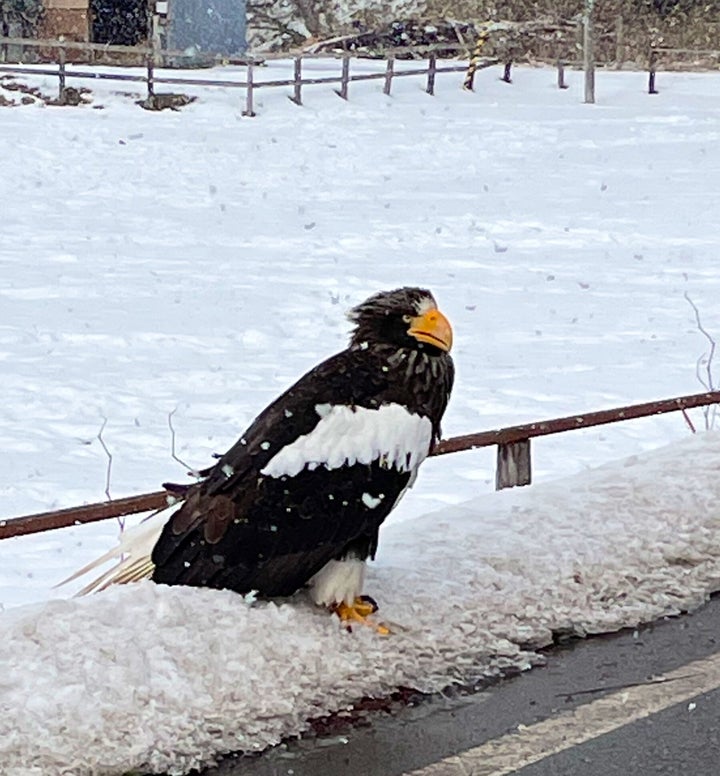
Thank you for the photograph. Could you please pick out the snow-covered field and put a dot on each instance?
(198, 262)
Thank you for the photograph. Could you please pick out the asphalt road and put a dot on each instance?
(447, 736)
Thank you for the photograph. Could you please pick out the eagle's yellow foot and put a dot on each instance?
(359, 612)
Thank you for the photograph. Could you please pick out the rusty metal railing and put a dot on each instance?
(513, 462)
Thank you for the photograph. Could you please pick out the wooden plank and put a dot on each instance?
(70, 23)
(67, 5)
(54, 43)
(83, 46)
(181, 81)
(514, 466)
(75, 74)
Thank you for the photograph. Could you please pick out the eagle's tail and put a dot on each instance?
(133, 554)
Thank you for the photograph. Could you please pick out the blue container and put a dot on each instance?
(209, 26)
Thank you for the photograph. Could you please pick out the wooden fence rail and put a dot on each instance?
(513, 462)
(256, 57)
(657, 52)
(154, 58)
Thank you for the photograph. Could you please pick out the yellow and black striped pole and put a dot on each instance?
(475, 58)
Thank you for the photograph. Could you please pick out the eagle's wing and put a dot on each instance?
(322, 466)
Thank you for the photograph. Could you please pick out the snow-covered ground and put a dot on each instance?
(197, 262)
(154, 678)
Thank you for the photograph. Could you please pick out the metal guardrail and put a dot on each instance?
(513, 462)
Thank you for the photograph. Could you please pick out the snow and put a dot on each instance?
(371, 502)
(158, 678)
(346, 435)
(198, 262)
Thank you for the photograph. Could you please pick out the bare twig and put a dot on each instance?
(706, 361)
(120, 519)
(615, 687)
(108, 471)
(704, 366)
(193, 472)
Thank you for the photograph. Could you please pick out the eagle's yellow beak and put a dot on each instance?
(432, 327)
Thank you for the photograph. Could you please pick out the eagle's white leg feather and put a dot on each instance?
(338, 581)
(132, 552)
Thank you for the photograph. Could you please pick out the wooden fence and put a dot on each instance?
(55, 52)
(513, 462)
(657, 53)
(396, 66)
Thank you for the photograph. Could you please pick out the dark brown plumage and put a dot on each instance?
(321, 467)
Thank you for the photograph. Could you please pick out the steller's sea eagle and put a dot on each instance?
(299, 499)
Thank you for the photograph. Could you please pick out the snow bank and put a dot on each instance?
(162, 679)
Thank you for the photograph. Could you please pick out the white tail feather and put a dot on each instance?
(132, 552)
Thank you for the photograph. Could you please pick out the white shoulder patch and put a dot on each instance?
(344, 435)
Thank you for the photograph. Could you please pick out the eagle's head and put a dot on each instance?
(406, 318)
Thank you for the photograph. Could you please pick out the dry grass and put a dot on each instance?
(683, 24)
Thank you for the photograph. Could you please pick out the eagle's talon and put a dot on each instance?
(369, 601)
(359, 612)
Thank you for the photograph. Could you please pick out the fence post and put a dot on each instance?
(61, 72)
(561, 75)
(150, 76)
(619, 42)
(588, 52)
(155, 44)
(651, 74)
(507, 72)
(344, 78)
(249, 93)
(469, 81)
(297, 95)
(389, 75)
(513, 464)
(432, 65)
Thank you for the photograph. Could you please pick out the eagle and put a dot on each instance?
(298, 501)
